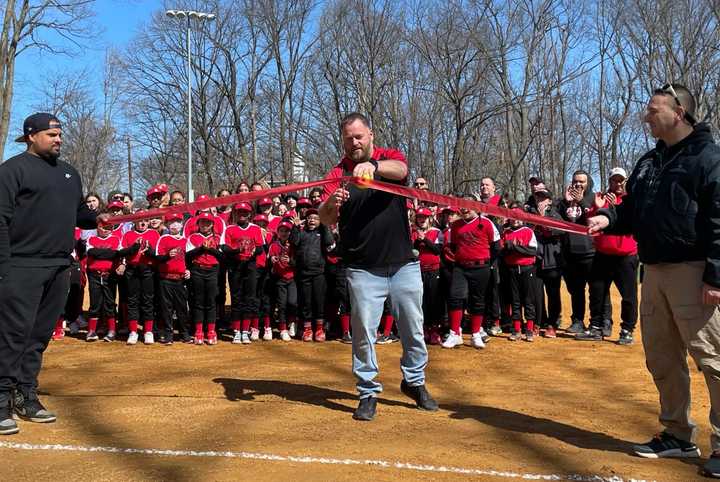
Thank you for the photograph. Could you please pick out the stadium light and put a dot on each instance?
(187, 16)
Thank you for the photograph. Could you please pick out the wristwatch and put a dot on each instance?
(374, 163)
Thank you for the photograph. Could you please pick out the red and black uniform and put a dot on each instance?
(264, 288)
(173, 292)
(74, 301)
(203, 256)
(242, 246)
(191, 227)
(430, 249)
(282, 275)
(474, 245)
(616, 261)
(102, 261)
(519, 248)
(138, 249)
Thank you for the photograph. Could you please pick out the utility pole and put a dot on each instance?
(129, 161)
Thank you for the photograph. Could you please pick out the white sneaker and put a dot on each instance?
(483, 334)
(254, 334)
(237, 339)
(267, 335)
(452, 340)
(291, 329)
(132, 338)
(285, 336)
(477, 341)
(246, 338)
(149, 338)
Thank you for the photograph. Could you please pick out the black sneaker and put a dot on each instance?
(575, 328)
(593, 334)
(712, 466)
(626, 337)
(346, 338)
(8, 426)
(393, 338)
(109, 337)
(664, 444)
(31, 409)
(607, 328)
(421, 396)
(383, 340)
(366, 409)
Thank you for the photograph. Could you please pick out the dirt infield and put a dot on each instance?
(283, 411)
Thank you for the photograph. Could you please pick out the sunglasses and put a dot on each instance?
(668, 89)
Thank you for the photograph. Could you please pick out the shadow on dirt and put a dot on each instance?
(236, 389)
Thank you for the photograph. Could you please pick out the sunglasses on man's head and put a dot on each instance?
(668, 89)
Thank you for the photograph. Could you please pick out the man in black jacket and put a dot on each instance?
(672, 207)
(34, 261)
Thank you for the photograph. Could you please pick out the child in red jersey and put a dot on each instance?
(203, 254)
(263, 284)
(518, 254)
(282, 270)
(243, 243)
(138, 248)
(102, 260)
(172, 272)
(474, 242)
(428, 241)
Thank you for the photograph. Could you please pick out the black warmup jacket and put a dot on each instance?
(311, 247)
(672, 206)
(41, 202)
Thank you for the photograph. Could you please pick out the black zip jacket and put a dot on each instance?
(311, 247)
(41, 202)
(672, 206)
(577, 246)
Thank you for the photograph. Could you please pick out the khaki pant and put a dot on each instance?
(674, 322)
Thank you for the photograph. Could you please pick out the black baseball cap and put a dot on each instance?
(40, 121)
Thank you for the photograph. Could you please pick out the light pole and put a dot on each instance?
(189, 15)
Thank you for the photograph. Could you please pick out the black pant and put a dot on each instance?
(204, 289)
(174, 299)
(577, 274)
(141, 293)
(621, 270)
(312, 297)
(243, 290)
(446, 270)
(221, 297)
(286, 298)
(74, 302)
(102, 295)
(547, 283)
(469, 284)
(31, 300)
(492, 294)
(431, 304)
(263, 292)
(337, 290)
(524, 289)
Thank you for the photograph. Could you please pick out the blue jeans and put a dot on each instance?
(368, 291)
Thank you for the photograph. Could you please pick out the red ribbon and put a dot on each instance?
(422, 195)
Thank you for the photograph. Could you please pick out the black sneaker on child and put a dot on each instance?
(607, 328)
(346, 338)
(8, 426)
(421, 396)
(30, 409)
(626, 337)
(712, 466)
(576, 327)
(366, 409)
(593, 334)
(664, 445)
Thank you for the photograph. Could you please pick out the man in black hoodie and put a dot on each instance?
(672, 207)
(34, 260)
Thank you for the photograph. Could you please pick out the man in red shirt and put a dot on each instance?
(375, 241)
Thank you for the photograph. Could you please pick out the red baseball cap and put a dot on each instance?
(266, 201)
(243, 207)
(285, 224)
(202, 197)
(206, 215)
(260, 218)
(423, 212)
(116, 205)
(304, 202)
(450, 209)
(173, 217)
(157, 189)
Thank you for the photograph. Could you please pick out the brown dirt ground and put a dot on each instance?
(551, 407)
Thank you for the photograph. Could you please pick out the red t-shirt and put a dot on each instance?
(191, 226)
(96, 242)
(175, 265)
(472, 239)
(150, 237)
(205, 260)
(281, 269)
(245, 239)
(429, 261)
(522, 236)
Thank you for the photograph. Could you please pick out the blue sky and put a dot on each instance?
(117, 20)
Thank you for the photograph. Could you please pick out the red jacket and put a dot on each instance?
(614, 244)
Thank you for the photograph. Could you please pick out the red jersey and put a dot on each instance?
(614, 244)
(472, 239)
(205, 260)
(150, 238)
(174, 266)
(96, 242)
(274, 223)
(245, 239)
(191, 226)
(262, 259)
(522, 236)
(225, 216)
(281, 269)
(429, 260)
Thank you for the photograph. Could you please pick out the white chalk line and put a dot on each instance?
(316, 461)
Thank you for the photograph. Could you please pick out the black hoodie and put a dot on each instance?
(672, 206)
(578, 245)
